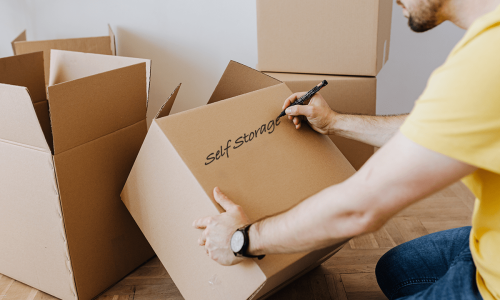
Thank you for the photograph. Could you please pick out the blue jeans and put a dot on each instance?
(435, 266)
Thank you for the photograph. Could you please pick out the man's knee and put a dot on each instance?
(385, 270)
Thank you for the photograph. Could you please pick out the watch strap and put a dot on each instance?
(246, 244)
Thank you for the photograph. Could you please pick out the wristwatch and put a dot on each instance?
(240, 243)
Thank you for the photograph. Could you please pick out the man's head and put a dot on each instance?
(423, 14)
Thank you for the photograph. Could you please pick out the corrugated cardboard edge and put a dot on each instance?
(112, 40)
(60, 214)
(20, 38)
(167, 106)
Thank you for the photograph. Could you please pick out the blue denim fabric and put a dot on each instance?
(435, 266)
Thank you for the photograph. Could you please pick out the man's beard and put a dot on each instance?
(427, 17)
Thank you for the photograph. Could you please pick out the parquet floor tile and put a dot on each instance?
(348, 275)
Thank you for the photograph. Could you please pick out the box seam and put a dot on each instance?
(100, 137)
(60, 214)
(24, 146)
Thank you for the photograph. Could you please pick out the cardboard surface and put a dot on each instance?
(172, 180)
(345, 94)
(70, 65)
(165, 198)
(104, 242)
(167, 106)
(69, 235)
(33, 248)
(81, 114)
(323, 36)
(19, 121)
(25, 70)
(98, 45)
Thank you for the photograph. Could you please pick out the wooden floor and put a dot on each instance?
(347, 275)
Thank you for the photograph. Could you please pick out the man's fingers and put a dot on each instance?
(202, 240)
(202, 223)
(223, 200)
(300, 110)
(292, 98)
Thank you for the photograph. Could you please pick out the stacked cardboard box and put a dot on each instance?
(346, 41)
(64, 160)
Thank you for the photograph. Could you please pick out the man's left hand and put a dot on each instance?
(216, 238)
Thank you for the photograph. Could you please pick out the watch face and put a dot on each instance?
(237, 241)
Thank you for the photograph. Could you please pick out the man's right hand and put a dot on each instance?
(318, 113)
(371, 130)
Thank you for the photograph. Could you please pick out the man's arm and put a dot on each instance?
(372, 130)
(399, 174)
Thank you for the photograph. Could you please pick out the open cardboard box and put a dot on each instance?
(339, 37)
(344, 94)
(98, 45)
(240, 146)
(64, 162)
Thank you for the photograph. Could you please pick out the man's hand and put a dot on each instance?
(219, 229)
(318, 113)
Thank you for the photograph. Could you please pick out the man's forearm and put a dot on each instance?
(372, 130)
(401, 173)
(323, 219)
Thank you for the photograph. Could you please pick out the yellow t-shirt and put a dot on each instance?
(458, 115)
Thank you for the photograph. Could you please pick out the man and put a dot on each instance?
(452, 133)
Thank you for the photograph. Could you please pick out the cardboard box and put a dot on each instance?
(344, 94)
(63, 164)
(98, 45)
(324, 36)
(180, 163)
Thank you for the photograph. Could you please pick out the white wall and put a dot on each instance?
(412, 58)
(191, 41)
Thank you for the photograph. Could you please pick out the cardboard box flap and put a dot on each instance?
(239, 79)
(98, 45)
(85, 109)
(19, 38)
(18, 120)
(70, 65)
(112, 40)
(25, 70)
(167, 106)
(238, 145)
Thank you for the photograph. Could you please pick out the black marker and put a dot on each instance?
(306, 97)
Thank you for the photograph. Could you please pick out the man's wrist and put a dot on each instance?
(332, 126)
(254, 240)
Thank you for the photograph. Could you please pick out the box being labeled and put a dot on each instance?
(97, 45)
(64, 161)
(240, 146)
(344, 94)
(340, 37)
